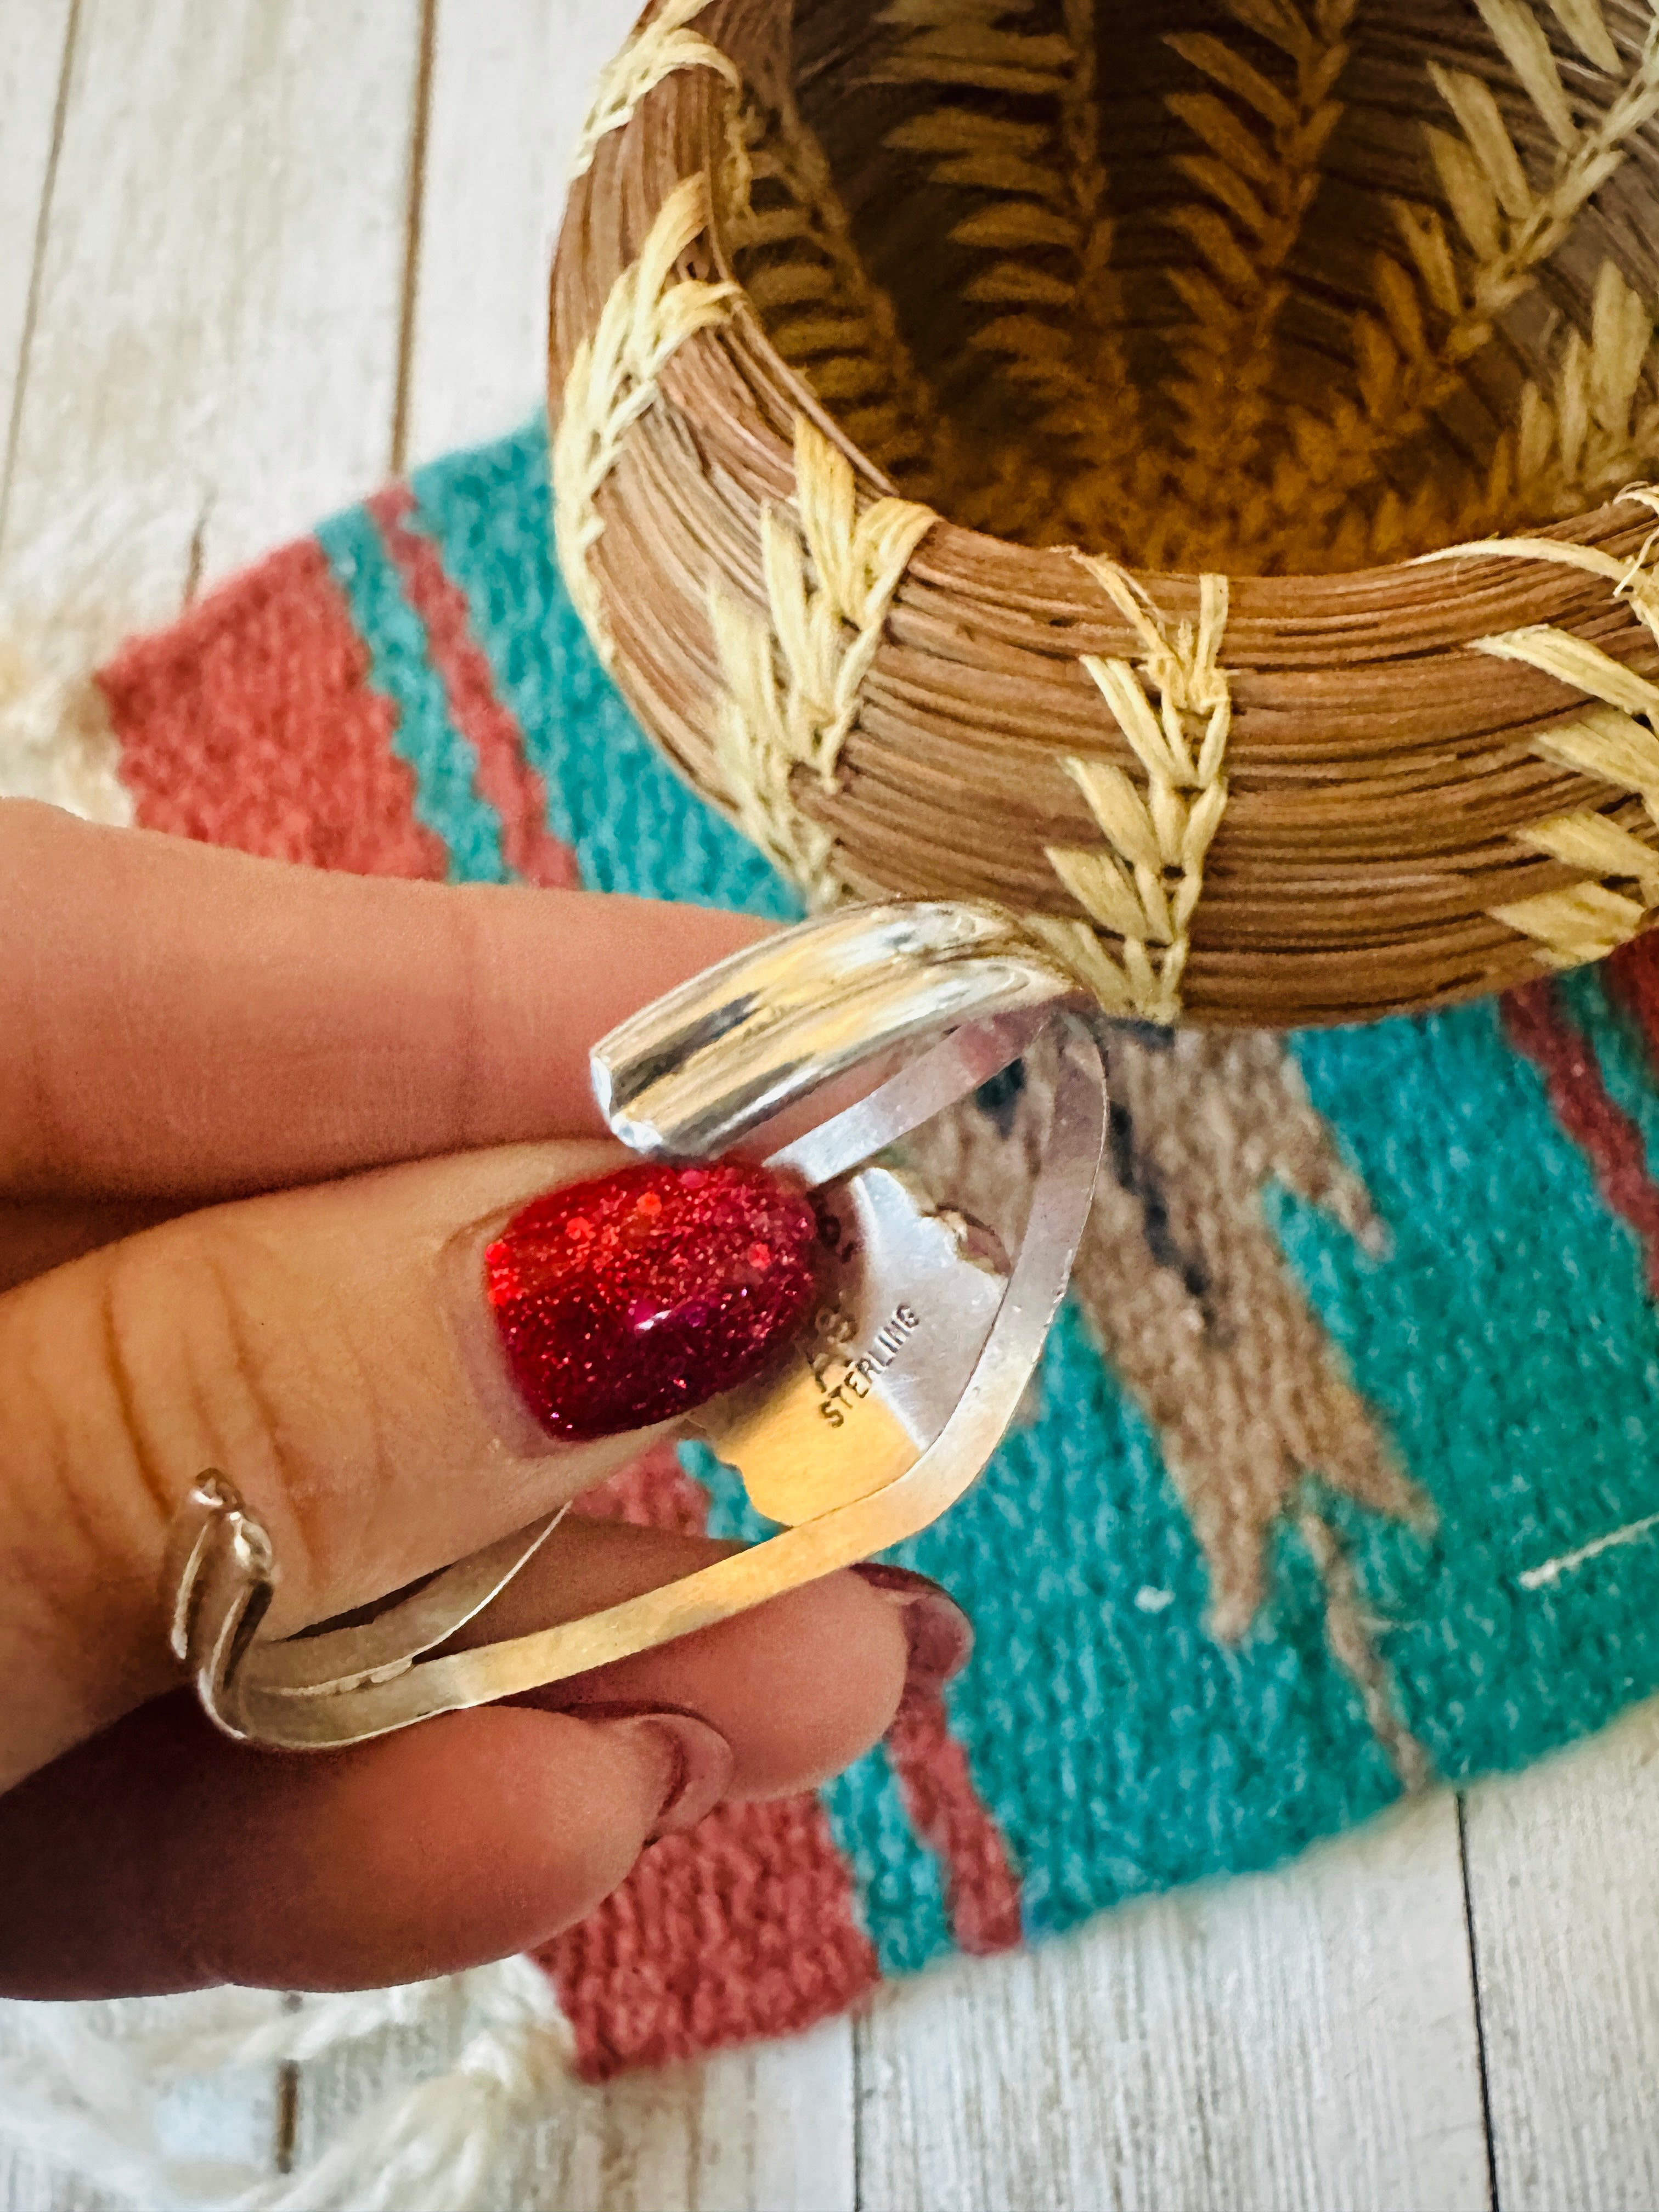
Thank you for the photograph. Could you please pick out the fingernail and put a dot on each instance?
(634, 1298)
(696, 1760)
(939, 1633)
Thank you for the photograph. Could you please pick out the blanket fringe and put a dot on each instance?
(82, 2086)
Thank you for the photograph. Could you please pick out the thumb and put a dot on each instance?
(394, 1370)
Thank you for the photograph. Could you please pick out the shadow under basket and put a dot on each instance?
(1172, 470)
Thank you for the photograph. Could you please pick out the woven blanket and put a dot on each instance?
(1343, 1473)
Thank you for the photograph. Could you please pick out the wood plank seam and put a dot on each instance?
(413, 231)
(1482, 2055)
(60, 111)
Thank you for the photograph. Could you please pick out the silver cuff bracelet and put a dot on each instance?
(889, 1405)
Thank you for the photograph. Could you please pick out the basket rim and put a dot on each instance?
(694, 106)
(1394, 826)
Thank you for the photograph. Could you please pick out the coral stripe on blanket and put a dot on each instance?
(252, 723)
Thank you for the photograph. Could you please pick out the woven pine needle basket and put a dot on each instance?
(1173, 467)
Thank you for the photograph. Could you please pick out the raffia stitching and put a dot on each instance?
(662, 46)
(801, 267)
(1592, 431)
(1510, 229)
(1009, 136)
(793, 686)
(1635, 580)
(1043, 222)
(1258, 173)
(1145, 887)
(1579, 434)
(1616, 741)
(648, 314)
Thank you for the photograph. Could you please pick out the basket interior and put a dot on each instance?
(1268, 286)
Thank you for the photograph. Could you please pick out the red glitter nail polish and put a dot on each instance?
(632, 1298)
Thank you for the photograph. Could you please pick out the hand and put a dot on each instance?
(257, 1126)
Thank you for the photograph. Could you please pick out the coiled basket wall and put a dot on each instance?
(1173, 467)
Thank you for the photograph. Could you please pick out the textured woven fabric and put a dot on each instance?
(1343, 1474)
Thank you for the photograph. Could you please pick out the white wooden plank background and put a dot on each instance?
(283, 244)
(32, 58)
(1564, 1884)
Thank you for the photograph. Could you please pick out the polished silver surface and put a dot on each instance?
(967, 1058)
(897, 1393)
(710, 1062)
(373, 1650)
(908, 1300)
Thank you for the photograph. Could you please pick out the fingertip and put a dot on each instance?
(473, 1837)
(834, 1658)
(162, 1857)
(692, 1760)
(939, 1635)
(800, 1686)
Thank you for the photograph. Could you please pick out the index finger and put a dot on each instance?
(183, 1021)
